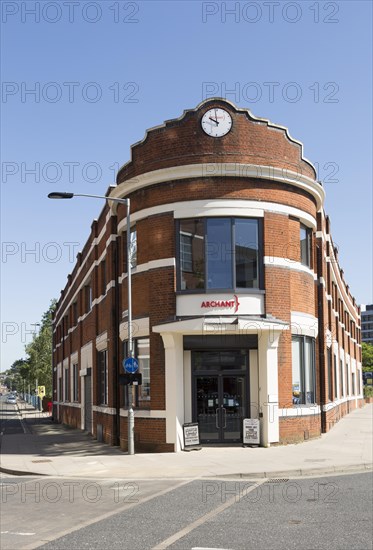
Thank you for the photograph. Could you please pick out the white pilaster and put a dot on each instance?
(174, 355)
(268, 387)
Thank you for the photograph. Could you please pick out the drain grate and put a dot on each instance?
(39, 461)
(275, 480)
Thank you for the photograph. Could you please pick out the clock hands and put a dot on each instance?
(213, 120)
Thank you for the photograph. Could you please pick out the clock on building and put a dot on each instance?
(216, 122)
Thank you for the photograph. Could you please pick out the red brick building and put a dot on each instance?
(240, 307)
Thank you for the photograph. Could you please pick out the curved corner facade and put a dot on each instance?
(240, 309)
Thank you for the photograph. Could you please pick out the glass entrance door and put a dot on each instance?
(220, 407)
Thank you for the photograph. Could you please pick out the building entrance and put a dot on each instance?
(220, 394)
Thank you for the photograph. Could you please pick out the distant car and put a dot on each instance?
(11, 400)
(368, 378)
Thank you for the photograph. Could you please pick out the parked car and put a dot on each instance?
(11, 399)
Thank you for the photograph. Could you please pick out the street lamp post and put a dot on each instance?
(126, 202)
(37, 398)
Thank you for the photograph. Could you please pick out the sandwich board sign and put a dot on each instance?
(251, 431)
(191, 435)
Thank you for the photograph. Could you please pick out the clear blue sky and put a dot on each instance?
(104, 72)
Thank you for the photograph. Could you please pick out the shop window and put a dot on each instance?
(102, 378)
(303, 366)
(305, 245)
(219, 254)
(75, 382)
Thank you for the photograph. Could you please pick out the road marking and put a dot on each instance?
(118, 510)
(11, 533)
(200, 521)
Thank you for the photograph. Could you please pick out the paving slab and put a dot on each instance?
(56, 450)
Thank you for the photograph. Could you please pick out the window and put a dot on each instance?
(219, 253)
(102, 378)
(143, 356)
(335, 377)
(341, 378)
(347, 381)
(353, 383)
(59, 385)
(133, 248)
(88, 296)
(75, 313)
(66, 385)
(303, 363)
(75, 382)
(192, 254)
(305, 245)
(103, 277)
(141, 348)
(330, 375)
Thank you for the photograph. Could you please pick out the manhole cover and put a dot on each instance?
(44, 460)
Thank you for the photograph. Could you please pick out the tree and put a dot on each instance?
(367, 352)
(40, 352)
(17, 377)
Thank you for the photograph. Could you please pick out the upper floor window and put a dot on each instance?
(103, 277)
(75, 313)
(305, 245)
(219, 253)
(133, 247)
(132, 252)
(88, 297)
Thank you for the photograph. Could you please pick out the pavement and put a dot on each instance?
(52, 449)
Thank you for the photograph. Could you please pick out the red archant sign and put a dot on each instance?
(222, 303)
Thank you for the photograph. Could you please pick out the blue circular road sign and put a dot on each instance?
(131, 365)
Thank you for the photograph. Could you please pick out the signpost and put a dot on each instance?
(130, 379)
(40, 392)
(130, 365)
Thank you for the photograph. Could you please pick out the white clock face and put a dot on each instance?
(216, 122)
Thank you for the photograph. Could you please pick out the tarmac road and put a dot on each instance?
(328, 513)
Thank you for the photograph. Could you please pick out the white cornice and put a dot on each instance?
(271, 261)
(219, 207)
(215, 169)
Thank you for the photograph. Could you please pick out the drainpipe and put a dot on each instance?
(321, 335)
